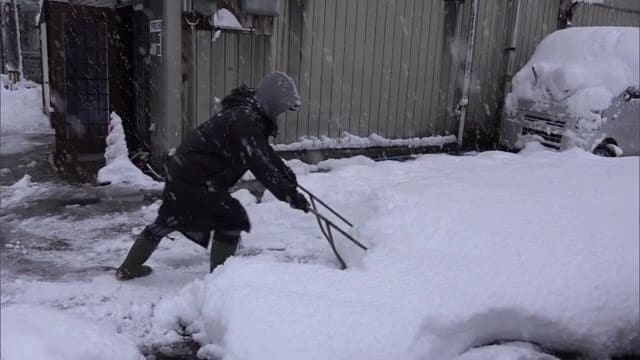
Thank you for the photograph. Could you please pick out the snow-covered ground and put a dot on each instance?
(21, 116)
(538, 247)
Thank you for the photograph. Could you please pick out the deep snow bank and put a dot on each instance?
(539, 246)
(40, 333)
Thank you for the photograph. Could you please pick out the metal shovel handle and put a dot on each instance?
(313, 197)
(331, 224)
(327, 235)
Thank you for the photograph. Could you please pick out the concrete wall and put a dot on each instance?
(165, 83)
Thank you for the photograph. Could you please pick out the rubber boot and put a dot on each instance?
(224, 245)
(142, 248)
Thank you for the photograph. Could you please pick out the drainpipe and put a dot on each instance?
(461, 110)
(511, 59)
(192, 20)
(172, 73)
(18, 44)
(513, 42)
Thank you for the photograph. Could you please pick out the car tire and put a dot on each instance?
(605, 150)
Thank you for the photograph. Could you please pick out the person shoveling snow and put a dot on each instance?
(196, 197)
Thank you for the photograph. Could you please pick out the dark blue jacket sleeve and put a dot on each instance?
(247, 139)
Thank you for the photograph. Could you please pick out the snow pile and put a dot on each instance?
(224, 19)
(463, 251)
(297, 166)
(333, 164)
(20, 191)
(350, 141)
(119, 170)
(585, 67)
(20, 115)
(39, 333)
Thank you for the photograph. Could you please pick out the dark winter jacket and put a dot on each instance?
(214, 158)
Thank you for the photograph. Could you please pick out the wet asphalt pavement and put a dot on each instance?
(44, 256)
(56, 196)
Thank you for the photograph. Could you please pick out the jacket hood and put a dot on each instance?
(244, 96)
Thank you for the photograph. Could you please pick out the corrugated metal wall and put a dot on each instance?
(610, 12)
(538, 18)
(391, 67)
(496, 21)
(367, 66)
(223, 64)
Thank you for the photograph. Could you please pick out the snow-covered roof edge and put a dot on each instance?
(350, 141)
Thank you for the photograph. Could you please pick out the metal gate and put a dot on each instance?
(87, 85)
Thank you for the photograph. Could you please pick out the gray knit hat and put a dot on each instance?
(277, 93)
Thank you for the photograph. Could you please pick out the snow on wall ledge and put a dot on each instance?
(350, 141)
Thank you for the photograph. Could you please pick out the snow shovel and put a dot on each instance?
(329, 224)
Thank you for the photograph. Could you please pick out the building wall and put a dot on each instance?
(29, 37)
(490, 72)
(391, 67)
(218, 63)
(610, 12)
(369, 67)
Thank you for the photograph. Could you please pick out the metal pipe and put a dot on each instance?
(18, 40)
(511, 58)
(327, 235)
(513, 42)
(328, 222)
(187, 5)
(325, 205)
(464, 100)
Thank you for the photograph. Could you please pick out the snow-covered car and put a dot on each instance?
(580, 88)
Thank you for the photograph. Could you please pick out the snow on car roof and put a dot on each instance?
(586, 66)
